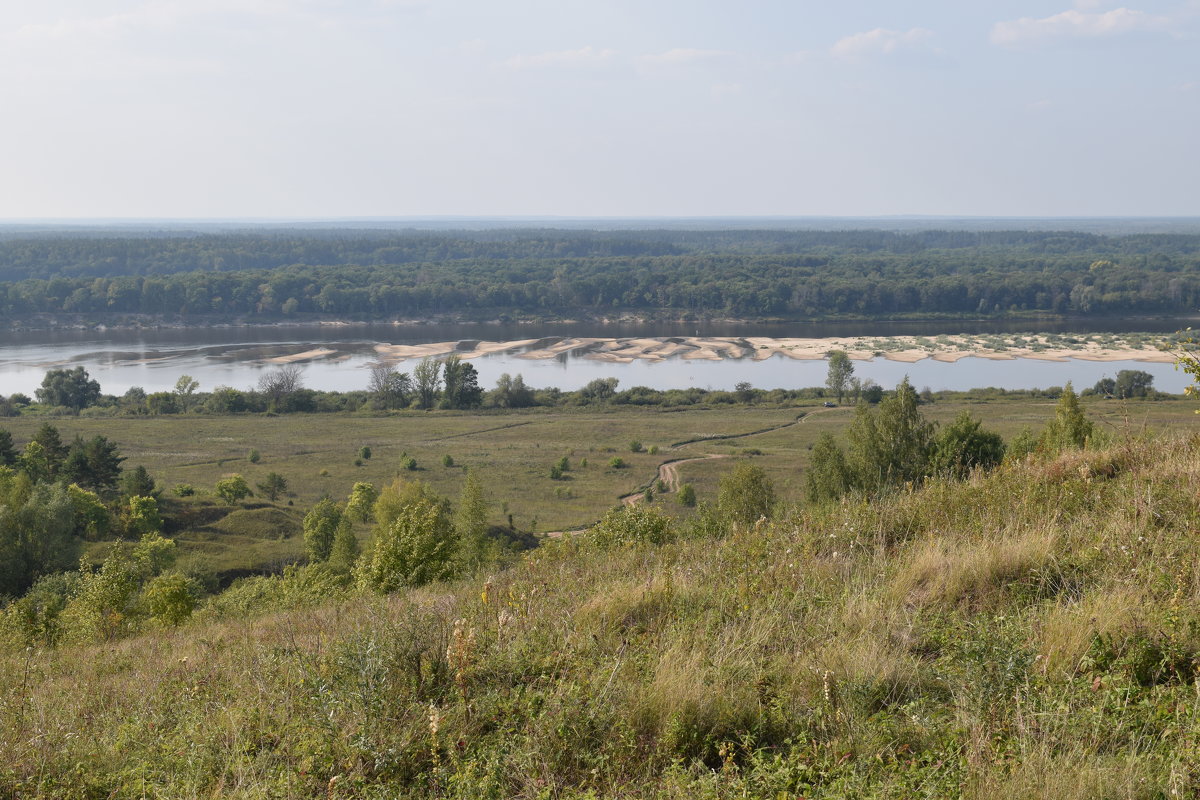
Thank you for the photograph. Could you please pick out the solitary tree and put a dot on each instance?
(1070, 427)
(828, 476)
(841, 370)
(233, 488)
(185, 388)
(277, 385)
(273, 486)
(72, 388)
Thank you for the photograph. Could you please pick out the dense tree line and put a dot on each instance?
(745, 273)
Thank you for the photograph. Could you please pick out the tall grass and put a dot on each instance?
(1029, 633)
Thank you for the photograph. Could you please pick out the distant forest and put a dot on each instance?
(363, 274)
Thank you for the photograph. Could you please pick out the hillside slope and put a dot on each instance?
(1030, 633)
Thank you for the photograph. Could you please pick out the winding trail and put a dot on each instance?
(668, 471)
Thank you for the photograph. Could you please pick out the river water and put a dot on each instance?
(236, 356)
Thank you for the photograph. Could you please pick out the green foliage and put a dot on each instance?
(746, 494)
(273, 486)
(828, 476)
(413, 546)
(8, 453)
(447, 461)
(616, 462)
(72, 388)
(232, 489)
(890, 446)
(1070, 428)
(184, 490)
(364, 453)
(427, 380)
(143, 516)
(635, 446)
(841, 370)
(137, 482)
(687, 495)
(254, 456)
(409, 463)
(38, 533)
(92, 518)
(471, 522)
(185, 390)
(343, 555)
(94, 464)
(171, 598)
(632, 525)
(461, 383)
(964, 445)
(321, 525)
(108, 603)
(361, 501)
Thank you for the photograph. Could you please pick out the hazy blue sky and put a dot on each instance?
(220, 108)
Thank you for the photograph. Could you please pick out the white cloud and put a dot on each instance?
(684, 55)
(880, 41)
(1075, 23)
(584, 56)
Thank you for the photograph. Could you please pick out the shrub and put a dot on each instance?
(635, 446)
(687, 495)
(616, 462)
(634, 524)
(361, 501)
(417, 546)
(254, 457)
(410, 464)
(320, 528)
(746, 494)
(447, 461)
(364, 453)
(184, 490)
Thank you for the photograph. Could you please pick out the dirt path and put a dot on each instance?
(668, 471)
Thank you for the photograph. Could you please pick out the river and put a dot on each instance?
(237, 356)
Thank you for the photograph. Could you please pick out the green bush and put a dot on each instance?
(635, 524)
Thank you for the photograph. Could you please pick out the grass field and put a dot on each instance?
(512, 453)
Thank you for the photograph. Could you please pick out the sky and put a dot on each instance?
(625, 108)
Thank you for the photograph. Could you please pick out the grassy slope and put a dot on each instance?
(1028, 634)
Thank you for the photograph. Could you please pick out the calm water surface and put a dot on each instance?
(235, 356)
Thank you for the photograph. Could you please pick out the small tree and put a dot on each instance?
(470, 520)
(364, 453)
(143, 516)
(828, 476)
(320, 528)
(273, 486)
(361, 501)
(233, 488)
(137, 481)
(841, 370)
(171, 598)
(746, 494)
(345, 551)
(687, 495)
(1070, 427)
(964, 445)
(185, 389)
(616, 462)
(418, 546)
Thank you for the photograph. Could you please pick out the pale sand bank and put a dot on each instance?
(307, 355)
(907, 349)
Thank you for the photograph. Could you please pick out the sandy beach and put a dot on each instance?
(1088, 347)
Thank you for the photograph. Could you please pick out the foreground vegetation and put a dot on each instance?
(921, 610)
(1031, 632)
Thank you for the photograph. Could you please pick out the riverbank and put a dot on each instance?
(1043, 347)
